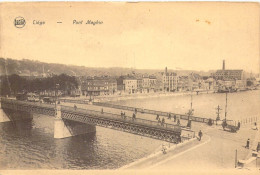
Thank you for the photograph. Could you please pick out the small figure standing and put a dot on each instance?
(169, 116)
(256, 126)
(157, 117)
(247, 143)
(174, 118)
(75, 107)
(200, 135)
(135, 110)
(102, 111)
(134, 117)
(258, 147)
(178, 122)
(164, 149)
(238, 125)
(163, 121)
(159, 121)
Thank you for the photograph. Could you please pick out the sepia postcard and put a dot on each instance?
(129, 88)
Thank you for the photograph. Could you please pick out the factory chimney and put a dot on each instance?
(223, 68)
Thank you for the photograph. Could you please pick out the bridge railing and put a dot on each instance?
(154, 112)
(74, 101)
(26, 103)
(127, 119)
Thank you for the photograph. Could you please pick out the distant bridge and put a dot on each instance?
(167, 132)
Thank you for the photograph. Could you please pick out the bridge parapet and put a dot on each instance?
(154, 112)
(28, 106)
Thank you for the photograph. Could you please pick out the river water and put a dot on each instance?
(30, 144)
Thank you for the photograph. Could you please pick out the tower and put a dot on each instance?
(223, 68)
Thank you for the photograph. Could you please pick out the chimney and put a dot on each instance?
(223, 68)
(165, 70)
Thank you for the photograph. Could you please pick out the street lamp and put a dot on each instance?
(56, 91)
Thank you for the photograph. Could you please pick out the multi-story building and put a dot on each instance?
(170, 81)
(96, 86)
(152, 82)
(139, 84)
(146, 82)
(183, 84)
(130, 84)
(228, 74)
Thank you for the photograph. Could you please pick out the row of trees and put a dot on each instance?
(13, 84)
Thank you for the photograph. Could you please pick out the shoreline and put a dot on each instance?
(156, 154)
(144, 96)
(135, 96)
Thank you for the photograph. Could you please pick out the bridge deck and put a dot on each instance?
(168, 132)
(154, 112)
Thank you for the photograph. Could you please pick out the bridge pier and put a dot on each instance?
(3, 115)
(65, 128)
(7, 114)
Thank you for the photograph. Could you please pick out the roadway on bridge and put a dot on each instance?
(128, 113)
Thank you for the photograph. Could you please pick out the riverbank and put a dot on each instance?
(158, 156)
(113, 98)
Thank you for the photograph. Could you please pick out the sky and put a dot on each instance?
(194, 36)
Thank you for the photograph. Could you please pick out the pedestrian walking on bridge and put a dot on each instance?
(134, 116)
(178, 122)
(174, 117)
(159, 121)
(163, 121)
(157, 117)
(200, 135)
(169, 116)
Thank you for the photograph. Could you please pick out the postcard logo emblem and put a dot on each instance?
(19, 22)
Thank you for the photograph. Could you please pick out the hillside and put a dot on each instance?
(36, 68)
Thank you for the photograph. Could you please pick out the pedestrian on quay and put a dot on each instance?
(238, 125)
(75, 107)
(164, 149)
(102, 111)
(256, 126)
(174, 117)
(247, 143)
(122, 115)
(258, 147)
(200, 135)
(135, 110)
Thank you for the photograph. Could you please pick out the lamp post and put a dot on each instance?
(226, 108)
(56, 91)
